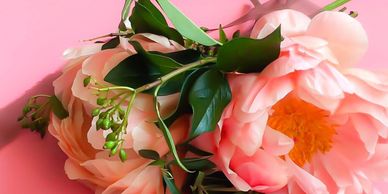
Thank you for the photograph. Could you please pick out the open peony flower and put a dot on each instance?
(307, 123)
(83, 145)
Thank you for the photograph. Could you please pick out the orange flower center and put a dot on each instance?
(306, 124)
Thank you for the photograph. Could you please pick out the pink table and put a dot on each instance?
(34, 34)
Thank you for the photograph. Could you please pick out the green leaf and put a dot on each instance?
(185, 26)
(197, 151)
(154, 10)
(171, 184)
(236, 34)
(208, 97)
(125, 11)
(112, 43)
(159, 162)
(149, 154)
(143, 20)
(57, 108)
(248, 55)
(146, 67)
(223, 37)
(166, 132)
(198, 164)
(183, 57)
(183, 105)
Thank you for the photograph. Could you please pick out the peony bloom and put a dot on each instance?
(81, 142)
(308, 123)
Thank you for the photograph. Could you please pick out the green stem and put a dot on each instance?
(335, 5)
(113, 88)
(166, 132)
(41, 96)
(172, 74)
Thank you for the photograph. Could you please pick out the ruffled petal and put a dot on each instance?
(292, 23)
(346, 37)
(73, 53)
(276, 143)
(307, 182)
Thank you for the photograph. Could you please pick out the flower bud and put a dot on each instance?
(113, 151)
(101, 101)
(111, 137)
(123, 155)
(110, 144)
(106, 124)
(96, 112)
(87, 81)
(99, 123)
(26, 109)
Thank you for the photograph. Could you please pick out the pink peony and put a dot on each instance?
(81, 142)
(308, 123)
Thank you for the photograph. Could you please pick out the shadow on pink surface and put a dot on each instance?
(33, 163)
(12, 111)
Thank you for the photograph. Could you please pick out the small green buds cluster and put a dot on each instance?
(111, 118)
(35, 116)
(109, 121)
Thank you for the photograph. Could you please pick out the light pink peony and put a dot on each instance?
(81, 142)
(308, 123)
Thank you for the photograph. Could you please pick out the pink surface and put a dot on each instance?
(34, 35)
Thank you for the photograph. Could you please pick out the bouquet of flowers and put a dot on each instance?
(158, 109)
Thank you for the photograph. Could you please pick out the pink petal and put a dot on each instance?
(276, 143)
(368, 134)
(338, 168)
(307, 182)
(292, 23)
(251, 133)
(73, 53)
(369, 86)
(354, 104)
(138, 182)
(345, 35)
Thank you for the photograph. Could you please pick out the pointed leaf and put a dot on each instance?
(208, 97)
(248, 55)
(223, 37)
(144, 21)
(198, 164)
(112, 43)
(154, 10)
(57, 108)
(183, 105)
(146, 67)
(149, 154)
(185, 26)
(170, 183)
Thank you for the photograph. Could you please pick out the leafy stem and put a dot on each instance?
(166, 132)
(172, 74)
(112, 117)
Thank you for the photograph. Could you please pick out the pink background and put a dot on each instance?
(35, 33)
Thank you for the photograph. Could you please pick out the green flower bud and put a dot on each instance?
(121, 114)
(102, 115)
(106, 124)
(110, 144)
(101, 101)
(96, 112)
(99, 124)
(26, 109)
(115, 126)
(87, 81)
(113, 151)
(25, 123)
(111, 137)
(123, 155)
